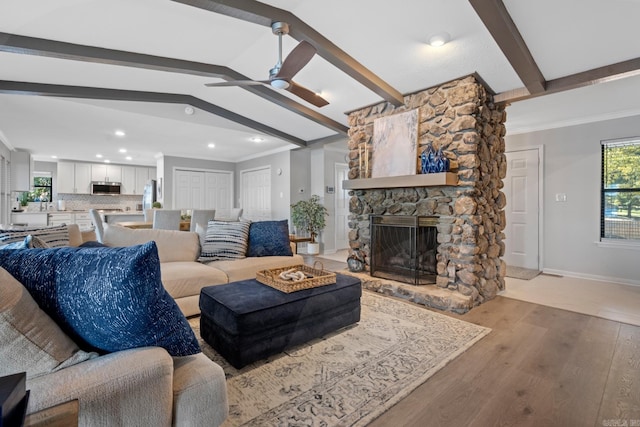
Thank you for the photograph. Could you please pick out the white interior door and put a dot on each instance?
(256, 194)
(183, 188)
(342, 207)
(218, 194)
(197, 189)
(203, 190)
(521, 187)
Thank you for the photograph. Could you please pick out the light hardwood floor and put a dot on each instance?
(540, 366)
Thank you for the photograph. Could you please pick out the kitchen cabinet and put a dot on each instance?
(21, 170)
(59, 219)
(83, 220)
(128, 180)
(74, 178)
(106, 173)
(29, 218)
(134, 178)
(142, 177)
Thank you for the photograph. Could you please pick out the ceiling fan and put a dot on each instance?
(281, 75)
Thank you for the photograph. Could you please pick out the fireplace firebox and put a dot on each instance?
(403, 248)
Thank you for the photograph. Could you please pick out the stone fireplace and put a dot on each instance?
(467, 204)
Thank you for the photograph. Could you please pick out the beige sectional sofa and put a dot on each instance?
(182, 275)
(139, 386)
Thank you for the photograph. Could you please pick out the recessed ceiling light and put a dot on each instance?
(99, 156)
(439, 39)
(211, 145)
(189, 110)
(257, 139)
(129, 158)
(120, 133)
(107, 161)
(54, 157)
(123, 150)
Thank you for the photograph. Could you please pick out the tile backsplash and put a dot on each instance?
(87, 201)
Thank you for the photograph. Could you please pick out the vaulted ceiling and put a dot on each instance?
(74, 71)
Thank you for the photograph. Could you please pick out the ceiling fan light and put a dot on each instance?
(280, 84)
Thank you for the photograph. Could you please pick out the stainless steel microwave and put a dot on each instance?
(109, 188)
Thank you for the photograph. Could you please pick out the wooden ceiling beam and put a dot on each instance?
(13, 43)
(264, 14)
(496, 18)
(591, 77)
(64, 91)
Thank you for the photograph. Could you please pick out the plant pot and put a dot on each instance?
(313, 248)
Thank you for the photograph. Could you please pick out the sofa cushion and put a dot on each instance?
(110, 299)
(225, 240)
(31, 340)
(172, 245)
(243, 269)
(28, 242)
(183, 279)
(269, 238)
(55, 237)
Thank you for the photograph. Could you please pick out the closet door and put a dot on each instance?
(218, 194)
(256, 194)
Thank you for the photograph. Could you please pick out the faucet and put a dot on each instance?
(45, 207)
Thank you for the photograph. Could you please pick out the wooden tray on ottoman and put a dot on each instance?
(319, 277)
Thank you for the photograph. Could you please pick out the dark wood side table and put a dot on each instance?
(62, 415)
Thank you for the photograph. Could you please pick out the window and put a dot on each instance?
(620, 190)
(42, 189)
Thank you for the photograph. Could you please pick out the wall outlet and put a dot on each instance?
(561, 197)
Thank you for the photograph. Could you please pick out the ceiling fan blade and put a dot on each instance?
(306, 94)
(298, 58)
(238, 83)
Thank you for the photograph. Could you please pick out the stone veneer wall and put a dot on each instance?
(460, 117)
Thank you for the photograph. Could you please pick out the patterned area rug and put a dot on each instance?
(350, 377)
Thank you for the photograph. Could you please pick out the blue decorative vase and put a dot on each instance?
(432, 161)
(427, 159)
(441, 162)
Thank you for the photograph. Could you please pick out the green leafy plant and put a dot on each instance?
(309, 215)
(156, 205)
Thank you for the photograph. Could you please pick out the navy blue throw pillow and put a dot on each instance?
(106, 299)
(269, 238)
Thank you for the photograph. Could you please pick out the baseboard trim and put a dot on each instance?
(618, 280)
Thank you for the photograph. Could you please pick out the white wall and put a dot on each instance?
(572, 166)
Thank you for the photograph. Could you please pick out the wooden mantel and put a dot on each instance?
(405, 181)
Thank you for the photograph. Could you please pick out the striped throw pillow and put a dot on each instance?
(225, 240)
(54, 237)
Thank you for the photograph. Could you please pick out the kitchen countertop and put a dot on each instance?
(80, 212)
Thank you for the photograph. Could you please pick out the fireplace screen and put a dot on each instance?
(403, 248)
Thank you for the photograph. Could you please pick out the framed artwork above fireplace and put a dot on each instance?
(395, 145)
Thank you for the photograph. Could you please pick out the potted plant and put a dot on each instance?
(310, 215)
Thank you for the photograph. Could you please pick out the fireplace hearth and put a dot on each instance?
(403, 248)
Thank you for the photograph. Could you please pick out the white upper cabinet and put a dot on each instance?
(66, 177)
(74, 178)
(106, 173)
(21, 170)
(128, 180)
(142, 177)
(83, 178)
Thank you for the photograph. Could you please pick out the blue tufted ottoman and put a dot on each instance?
(247, 321)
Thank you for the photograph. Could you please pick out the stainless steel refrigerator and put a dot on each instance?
(149, 194)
